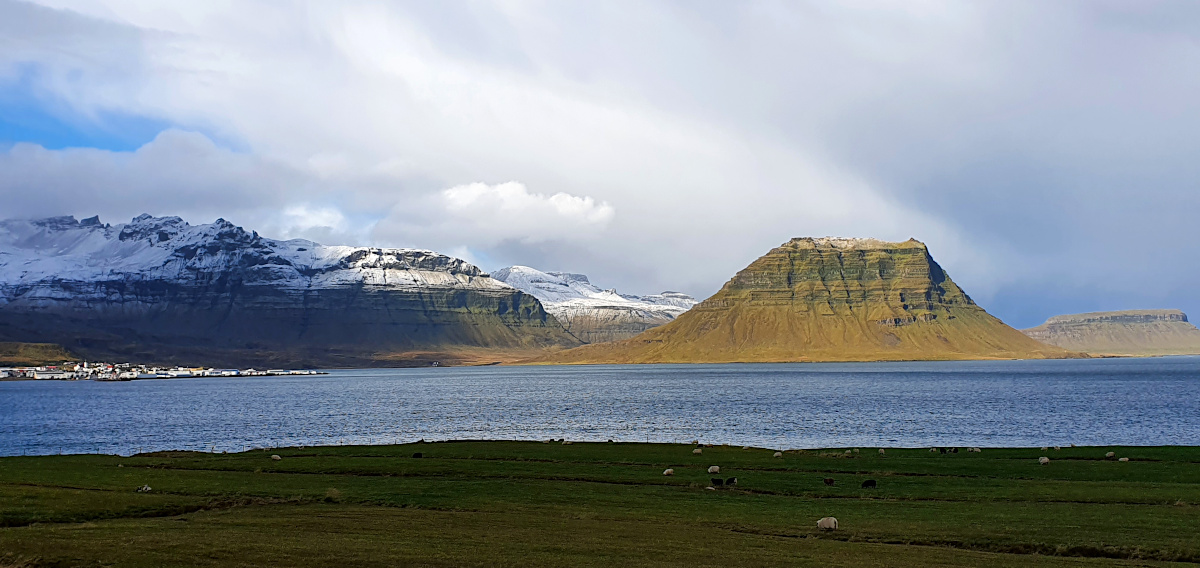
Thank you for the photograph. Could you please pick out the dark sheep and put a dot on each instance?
(731, 481)
(869, 484)
(829, 481)
(417, 455)
(942, 450)
(717, 481)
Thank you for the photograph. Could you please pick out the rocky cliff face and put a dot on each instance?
(829, 299)
(592, 314)
(1130, 332)
(160, 289)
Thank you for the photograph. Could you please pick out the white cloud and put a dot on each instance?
(509, 210)
(478, 216)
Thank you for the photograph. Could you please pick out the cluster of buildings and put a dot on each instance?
(128, 372)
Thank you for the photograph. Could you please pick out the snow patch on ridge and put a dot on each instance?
(38, 256)
(565, 294)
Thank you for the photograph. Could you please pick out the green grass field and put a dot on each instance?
(536, 504)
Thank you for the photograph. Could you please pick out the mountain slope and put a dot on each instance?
(159, 289)
(590, 313)
(828, 299)
(1130, 332)
(22, 354)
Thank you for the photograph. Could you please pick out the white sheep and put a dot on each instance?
(856, 450)
(697, 451)
(1057, 448)
(882, 452)
(1043, 460)
(827, 524)
(714, 469)
(275, 457)
(1110, 455)
(777, 454)
(1044, 448)
(1123, 460)
(668, 471)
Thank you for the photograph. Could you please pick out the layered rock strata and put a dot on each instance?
(160, 290)
(1129, 332)
(828, 299)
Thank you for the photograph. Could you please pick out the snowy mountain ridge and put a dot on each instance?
(592, 313)
(160, 290)
(169, 249)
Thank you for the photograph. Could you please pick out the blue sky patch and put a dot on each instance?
(27, 117)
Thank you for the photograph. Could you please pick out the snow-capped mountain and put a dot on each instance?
(591, 313)
(158, 281)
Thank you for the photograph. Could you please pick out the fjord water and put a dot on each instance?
(976, 403)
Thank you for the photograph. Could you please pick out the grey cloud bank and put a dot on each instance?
(1044, 151)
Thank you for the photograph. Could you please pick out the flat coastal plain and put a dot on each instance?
(602, 504)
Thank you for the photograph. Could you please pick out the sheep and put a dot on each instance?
(566, 443)
(869, 484)
(143, 489)
(275, 457)
(827, 524)
(668, 471)
(717, 481)
(1057, 448)
(695, 442)
(882, 452)
(933, 450)
(417, 454)
(777, 454)
(1110, 455)
(1123, 459)
(1044, 448)
(697, 451)
(714, 469)
(731, 481)
(856, 450)
(1043, 460)
(848, 452)
(829, 481)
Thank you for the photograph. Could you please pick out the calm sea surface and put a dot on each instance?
(1020, 403)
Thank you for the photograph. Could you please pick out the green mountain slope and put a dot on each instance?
(828, 299)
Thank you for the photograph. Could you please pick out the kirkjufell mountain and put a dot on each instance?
(828, 299)
(157, 289)
(591, 313)
(1128, 332)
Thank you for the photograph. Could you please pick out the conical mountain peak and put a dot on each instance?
(829, 299)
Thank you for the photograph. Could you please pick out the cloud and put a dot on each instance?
(480, 217)
(509, 210)
(1043, 151)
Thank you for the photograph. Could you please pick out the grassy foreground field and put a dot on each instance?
(536, 504)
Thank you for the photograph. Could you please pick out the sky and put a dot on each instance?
(1046, 152)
